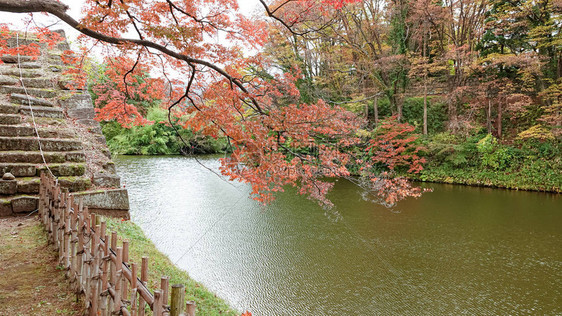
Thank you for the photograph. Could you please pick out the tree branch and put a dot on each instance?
(59, 10)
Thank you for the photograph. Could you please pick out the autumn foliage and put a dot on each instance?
(197, 51)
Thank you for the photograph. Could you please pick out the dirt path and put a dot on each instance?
(30, 281)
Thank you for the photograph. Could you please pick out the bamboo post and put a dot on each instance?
(157, 306)
(190, 308)
(118, 281)
(134, 289)
(113, 265)
(79, 252)
(125, 251)
(124, 290)
(105, 291)
(103, 226)
(73, 242)
(178, 297)
(144, 279)
(164, 285)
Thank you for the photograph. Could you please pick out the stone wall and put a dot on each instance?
(34, 99)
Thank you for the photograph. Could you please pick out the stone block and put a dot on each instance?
(24, 99)
(7, 80)
(10, 119)
(88, 122)
(24, 204)
(12, 59)
(9, 109)
(8, 187)
(115, 199)
(30, 65)
(14, 42)
(74, 184)
(18, 170)
(5, 208)
(101, 139)
(105, 151)
(29, 186)
(81, 114)
(75, 157)
(110, 167)
(77, 100)
(107, 180)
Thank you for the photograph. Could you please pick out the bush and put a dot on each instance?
(157, 139)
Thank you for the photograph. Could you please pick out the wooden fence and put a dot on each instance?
(96, 267)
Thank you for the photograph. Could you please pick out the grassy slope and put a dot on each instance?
(160, 265)
(531, 166)
(547, 181)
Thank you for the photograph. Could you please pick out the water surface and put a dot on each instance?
(457, 250)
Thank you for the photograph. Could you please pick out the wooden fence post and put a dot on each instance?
(178, 297)
(190, 308)
(164, 285)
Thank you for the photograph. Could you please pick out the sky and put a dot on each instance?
(16, 20)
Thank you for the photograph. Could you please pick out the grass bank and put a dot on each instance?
(160, 265)
(481, 160)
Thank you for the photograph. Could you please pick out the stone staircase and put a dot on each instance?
(65, 125)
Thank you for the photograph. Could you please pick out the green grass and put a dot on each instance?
(481, 160)
(546, 181)
(160, 265)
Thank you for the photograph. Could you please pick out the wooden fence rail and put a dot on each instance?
(96, 267)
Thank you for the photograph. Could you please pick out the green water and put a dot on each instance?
(456, 250)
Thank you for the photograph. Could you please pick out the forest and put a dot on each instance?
(480, 81)
(302, 91)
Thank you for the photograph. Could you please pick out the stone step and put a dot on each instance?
(34, 92)
(13, 59)
(44, 83)
(18, 204)
(42, 111)
(25, 73)
(73, 184)
(25, 100)
(9, 109)
(20, 130)
(46, 122)
(8, 80)
(38, 111)
(35, 156)
(29, 65)
(31, 144)
(10, 119)
(24, 39)
(22, 169)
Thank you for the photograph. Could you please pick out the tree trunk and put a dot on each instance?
(500, 119)
(376, 110)
(489, 116)
(425, 106)
(453, 119)
(424, 86)
(398, 107)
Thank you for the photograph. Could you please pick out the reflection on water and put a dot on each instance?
(457, 250)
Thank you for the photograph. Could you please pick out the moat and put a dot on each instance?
(456, 250)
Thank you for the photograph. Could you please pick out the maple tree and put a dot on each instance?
(211, 87)
(122, 90)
